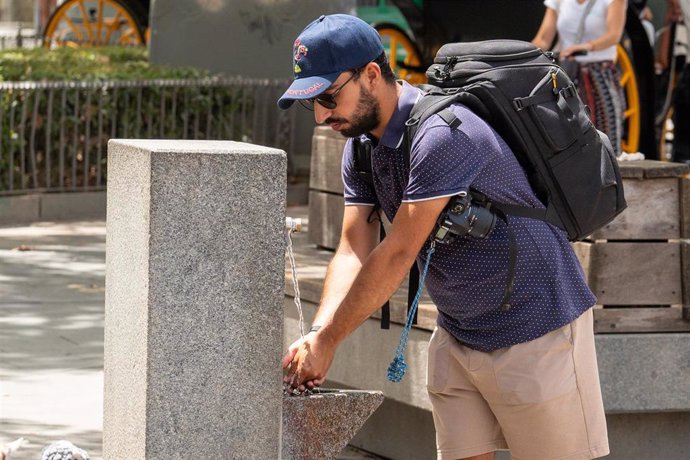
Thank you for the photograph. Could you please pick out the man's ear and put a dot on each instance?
(372, 74)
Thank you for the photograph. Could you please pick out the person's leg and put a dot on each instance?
(465, 426)
(681, 118)
(547, 397)
(609, 102)
(618, 102)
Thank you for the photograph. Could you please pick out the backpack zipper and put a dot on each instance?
(444, 74)
(495, 57)
(455, 74)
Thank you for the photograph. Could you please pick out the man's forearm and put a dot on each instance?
(381, 273)
(360, 278)
(375, 282)
(340, 275)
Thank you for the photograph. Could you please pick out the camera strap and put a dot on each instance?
(480, 199)
(512, 262)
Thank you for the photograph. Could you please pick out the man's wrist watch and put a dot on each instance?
(315, 328)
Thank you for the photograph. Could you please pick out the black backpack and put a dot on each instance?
(533, 105)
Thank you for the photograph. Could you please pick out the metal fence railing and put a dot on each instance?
(53, 135)
(21, 38)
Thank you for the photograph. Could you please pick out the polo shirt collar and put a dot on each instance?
(392, 136)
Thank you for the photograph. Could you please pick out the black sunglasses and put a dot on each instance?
(327, 100)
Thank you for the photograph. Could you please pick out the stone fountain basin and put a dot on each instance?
(319, 425)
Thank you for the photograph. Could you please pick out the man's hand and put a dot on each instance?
(307, 361)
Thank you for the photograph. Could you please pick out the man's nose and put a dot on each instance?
(321, 113)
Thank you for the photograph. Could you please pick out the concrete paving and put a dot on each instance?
(52, 288)
(51, 335)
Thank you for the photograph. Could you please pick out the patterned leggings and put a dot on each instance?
(681, 118)
(600, 89)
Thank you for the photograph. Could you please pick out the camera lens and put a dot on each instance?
(481, 221)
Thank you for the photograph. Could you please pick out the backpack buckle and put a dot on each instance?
(517, 103)
(569, 91)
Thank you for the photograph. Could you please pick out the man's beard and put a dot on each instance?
(367, 116)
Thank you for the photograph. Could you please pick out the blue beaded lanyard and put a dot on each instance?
(397, 367)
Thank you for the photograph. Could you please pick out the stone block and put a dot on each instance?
(325, 218)
(660, 435)
(651, 169)
(326, 159)
(644, 372)
(194, 276)
(388, 430)
(73, 206)
(685, 273)
(685, 207)
(19, 209)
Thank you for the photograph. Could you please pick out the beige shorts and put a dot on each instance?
(540, 399)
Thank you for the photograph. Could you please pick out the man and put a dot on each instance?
(681, 101)
(525, 378)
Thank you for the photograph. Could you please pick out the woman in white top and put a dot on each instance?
(597, 77)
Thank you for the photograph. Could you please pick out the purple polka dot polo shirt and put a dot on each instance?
(467, 278)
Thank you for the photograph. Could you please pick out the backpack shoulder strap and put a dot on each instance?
(362, 148)
(434, 101)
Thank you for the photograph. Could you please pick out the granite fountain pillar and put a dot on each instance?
(194, 310)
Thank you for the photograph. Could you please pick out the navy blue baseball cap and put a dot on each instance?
(326, 48)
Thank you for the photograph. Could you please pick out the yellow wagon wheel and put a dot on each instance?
(631, 118)
(93, 23)
(401, 50)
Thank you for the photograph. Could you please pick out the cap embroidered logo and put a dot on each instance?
(300, 50)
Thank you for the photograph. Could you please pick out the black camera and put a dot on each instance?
(464, 217)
